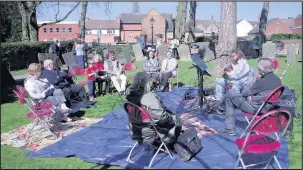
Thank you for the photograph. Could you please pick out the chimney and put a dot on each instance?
(291, 18)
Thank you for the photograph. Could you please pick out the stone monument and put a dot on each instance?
(184, 52)
(269, 50)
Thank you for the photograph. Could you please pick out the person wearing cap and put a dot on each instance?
(115, 71)
(174, 44)
(168, 69)
(151, 64)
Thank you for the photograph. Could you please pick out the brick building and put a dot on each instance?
(136, 24)
(102, 31)
(280, 26)
(64, 30)
(298, 25)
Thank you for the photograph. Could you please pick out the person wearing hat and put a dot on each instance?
(151, 64)
(168, 69)
(174, 44)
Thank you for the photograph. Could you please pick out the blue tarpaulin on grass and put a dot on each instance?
(109, 142)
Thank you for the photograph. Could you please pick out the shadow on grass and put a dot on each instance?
(7, 96)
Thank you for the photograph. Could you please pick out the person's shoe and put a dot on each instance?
(227, 132)
(68, 110)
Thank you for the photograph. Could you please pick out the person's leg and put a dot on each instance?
(165, 78)
(220, 85)
(59, 95)
(123, 82)
(107, 84)
(80, 90)
(67, 93)
(238, 85)
(52, 100)
(90, 85)
(116, 83)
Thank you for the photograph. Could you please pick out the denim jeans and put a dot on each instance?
(221, 84)
(164, 78)
(80, 60)
(91, 88)
(233, 99)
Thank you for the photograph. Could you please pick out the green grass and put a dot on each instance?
(13, 116)
(18, 72)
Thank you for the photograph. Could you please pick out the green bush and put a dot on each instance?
(203, 39)
(18, 55)
(274, 37)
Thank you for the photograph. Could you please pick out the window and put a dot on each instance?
(277, 23)
(57, 29)
(109, 31)
(50, 29)
(70, 30)
(44, 30)
(63, 29)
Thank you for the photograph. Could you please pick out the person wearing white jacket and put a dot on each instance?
(41, 90)
(168, 69)
(114, 70)
(238, 77)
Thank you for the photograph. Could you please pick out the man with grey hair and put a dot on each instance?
(252, 97)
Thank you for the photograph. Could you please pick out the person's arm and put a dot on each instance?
(154, 65)
(145, 64)
(254, 89)
(163, 65)
(237, 73)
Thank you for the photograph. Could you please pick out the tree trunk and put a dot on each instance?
(180, 20)
(25, 21)
(33, 25)
(263, 24)
(82, 21)
(227, 35)
(192, 21)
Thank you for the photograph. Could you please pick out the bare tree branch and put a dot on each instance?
(62, 19)
(57, 12)
(107, 6)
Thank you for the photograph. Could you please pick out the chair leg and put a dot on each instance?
(238, 160)
(128, 157)
(155, 155)
(276, 160)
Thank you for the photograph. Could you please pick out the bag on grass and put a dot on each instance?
(188, 144)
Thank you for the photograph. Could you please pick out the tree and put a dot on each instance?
(180, 20)
(82, 20)
(11, 27)
(136, 7)
(30, 28)
(227, 35)
(192, 21)
(263, 23)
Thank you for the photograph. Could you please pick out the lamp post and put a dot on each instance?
(152, 27)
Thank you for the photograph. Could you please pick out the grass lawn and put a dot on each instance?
(13, 116)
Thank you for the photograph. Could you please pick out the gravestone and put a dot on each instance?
(44, 56)
(291, 54)
(138, 52)
(184, 52)
(269, 50)
(69, 59)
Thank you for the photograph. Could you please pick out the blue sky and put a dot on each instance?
(245, 10)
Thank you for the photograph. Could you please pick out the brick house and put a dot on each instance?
(280, 26)
(298, 25)
(64, 30)
(136, 24)
(102, 31)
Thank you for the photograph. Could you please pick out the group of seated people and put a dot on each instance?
(159, 73)
(239, 88)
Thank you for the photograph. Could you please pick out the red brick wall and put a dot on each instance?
(129, 31)
(275, 28)
(159, 25)
(298, 21)
(297, 31)
(60, 35)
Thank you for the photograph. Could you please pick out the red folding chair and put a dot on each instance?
(130, 66)
(138, 115)
(271, 98)
(260, 138)
(40, 113)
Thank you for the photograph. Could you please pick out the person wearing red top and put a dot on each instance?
(91, 78)
(101, 74)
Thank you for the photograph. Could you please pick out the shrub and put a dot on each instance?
(18, 55)
(203, 39)
(275, 37)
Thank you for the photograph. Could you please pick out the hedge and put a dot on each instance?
(18, 55)
(274, 37)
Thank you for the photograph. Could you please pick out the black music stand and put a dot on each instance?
(201, 71)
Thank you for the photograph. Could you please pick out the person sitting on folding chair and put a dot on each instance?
(115, 71)
(252, 97)
(41, 90)
(151, 64)
(58, 79)
(167, 122)
(101, 76)
(168, 69)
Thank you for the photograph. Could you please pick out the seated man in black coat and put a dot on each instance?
(58, 79)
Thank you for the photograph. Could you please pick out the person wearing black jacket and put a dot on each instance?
(251, 98)
(58, 79)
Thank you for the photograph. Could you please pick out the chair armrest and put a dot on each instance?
(43, 106)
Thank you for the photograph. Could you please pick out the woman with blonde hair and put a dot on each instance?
(41, 90)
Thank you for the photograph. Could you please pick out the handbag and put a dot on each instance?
(188, 144)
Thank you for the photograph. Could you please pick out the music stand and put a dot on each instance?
(201, 71)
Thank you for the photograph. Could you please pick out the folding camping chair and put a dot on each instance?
(39, 112)
(138, 115)
(260, 139)
(129, 66)
(271, 98)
